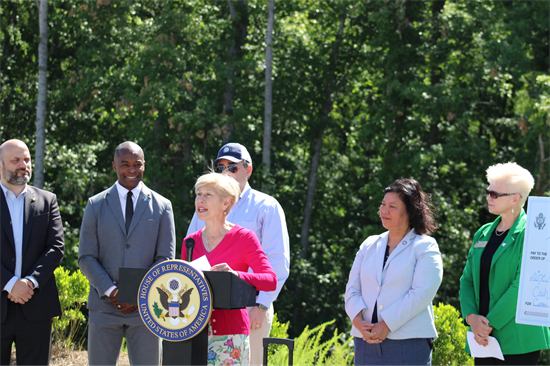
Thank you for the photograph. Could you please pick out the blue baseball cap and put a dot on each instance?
(233, 152)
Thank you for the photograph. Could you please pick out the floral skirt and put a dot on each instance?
(228, 350)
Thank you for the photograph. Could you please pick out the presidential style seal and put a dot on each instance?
(175, 300)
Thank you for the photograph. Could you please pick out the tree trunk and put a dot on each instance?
(266, 159)
(42, 91)
(312, 184)
(435, 69)
(543, 183)
(315, 161)
(159, 150)
(327, 108)
(239, 17)
(228, 100)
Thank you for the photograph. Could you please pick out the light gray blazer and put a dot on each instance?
(403, 290)
(104, 246)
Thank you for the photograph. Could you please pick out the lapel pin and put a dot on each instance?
(33, 199)
(404, 242)
(503, 244)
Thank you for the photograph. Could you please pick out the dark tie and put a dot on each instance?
(129, 210)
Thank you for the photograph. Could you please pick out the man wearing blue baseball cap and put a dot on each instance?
(262, 214)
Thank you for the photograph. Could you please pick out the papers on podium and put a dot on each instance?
(491, 350)
(202, 263)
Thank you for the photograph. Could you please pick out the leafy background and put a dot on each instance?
(375, 90)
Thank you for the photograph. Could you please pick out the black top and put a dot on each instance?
(375, 312)
(485, 269)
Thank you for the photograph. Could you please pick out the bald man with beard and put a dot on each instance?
(32, 246)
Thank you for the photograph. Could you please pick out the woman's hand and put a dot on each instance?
(365, 328)
(480, 328)
(372, 338)
(223, 267)
(481, 341)
(381, 330)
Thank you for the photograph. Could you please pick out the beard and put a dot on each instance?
(13, 178)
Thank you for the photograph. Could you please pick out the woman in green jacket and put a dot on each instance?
(489, 284)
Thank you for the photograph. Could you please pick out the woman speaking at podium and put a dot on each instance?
(228, 248)
(489, 284)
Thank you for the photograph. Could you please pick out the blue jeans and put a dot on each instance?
(415, 351)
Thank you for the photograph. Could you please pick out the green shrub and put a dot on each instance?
(73, 294)
(278, 330)
(449, 346)
(309, 351)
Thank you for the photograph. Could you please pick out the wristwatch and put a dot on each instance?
(262, 307)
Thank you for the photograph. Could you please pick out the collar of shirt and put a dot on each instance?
(22, 194)
(246, 191)
(122, 192)
(16, 206)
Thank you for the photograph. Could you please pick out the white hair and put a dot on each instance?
(222, 184)
(514, 177)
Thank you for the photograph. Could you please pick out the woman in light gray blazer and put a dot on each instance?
(393, 281)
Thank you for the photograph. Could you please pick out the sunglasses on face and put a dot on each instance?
(494, 195)
(232, 168)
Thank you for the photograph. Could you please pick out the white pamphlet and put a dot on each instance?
(491, 350)
(202, 263)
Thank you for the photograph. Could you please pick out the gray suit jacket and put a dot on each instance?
(105, 246)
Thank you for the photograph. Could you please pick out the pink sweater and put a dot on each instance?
(241, 250)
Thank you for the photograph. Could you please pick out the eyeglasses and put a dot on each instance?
(232, 168)
(494, 195)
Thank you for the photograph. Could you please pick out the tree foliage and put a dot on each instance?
(363, 93)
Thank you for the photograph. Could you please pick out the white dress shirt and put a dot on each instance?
(122, 193)
(263, 215)
(16, 206)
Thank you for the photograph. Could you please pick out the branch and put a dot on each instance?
(342, 81)
(232, 10)
(333, 60)
(529, 82)
(541, 145)
(540, 187)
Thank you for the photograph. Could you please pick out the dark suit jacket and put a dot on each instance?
(43, 247)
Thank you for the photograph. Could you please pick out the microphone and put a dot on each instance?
(189, 244)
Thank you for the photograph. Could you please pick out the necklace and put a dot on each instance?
(206, 242)
(208, 248)
(501, 232)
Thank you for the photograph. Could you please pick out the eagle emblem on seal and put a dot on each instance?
(175, 299)
(539, 221)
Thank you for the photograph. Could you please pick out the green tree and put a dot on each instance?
(363, 93)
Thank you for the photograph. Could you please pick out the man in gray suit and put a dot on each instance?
(127, 225)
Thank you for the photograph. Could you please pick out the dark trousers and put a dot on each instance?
(32, 339)
(413, 351)
(531, 358)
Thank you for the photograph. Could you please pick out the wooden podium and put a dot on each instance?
(228, 292)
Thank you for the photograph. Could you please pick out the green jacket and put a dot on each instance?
(503, 286)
